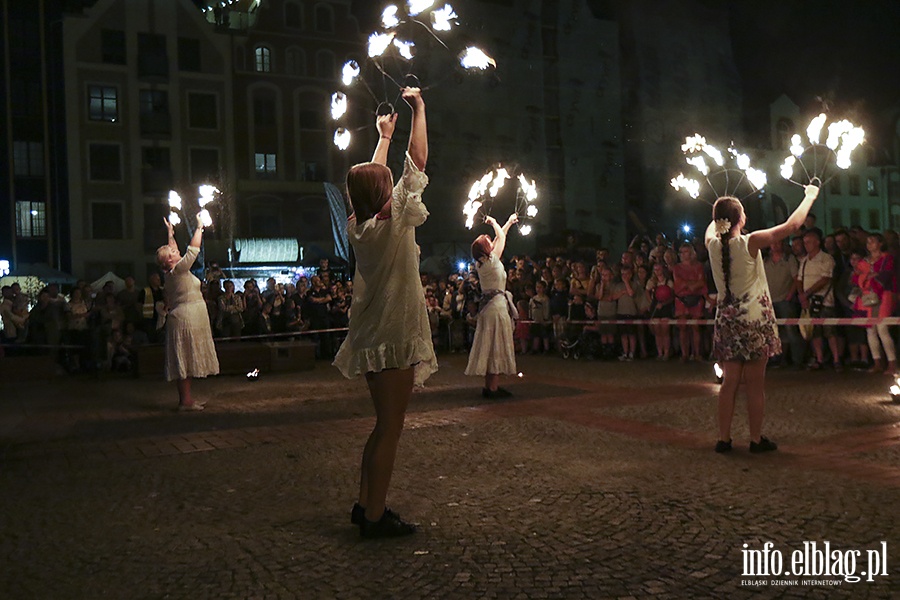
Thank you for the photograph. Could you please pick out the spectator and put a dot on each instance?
(539, 313)
(231, 309)
(690, 296)
(661, 291)
(13, 324)
(817, 296)
(148, 298)
(626, 309)
(781, 273)
(877, 285)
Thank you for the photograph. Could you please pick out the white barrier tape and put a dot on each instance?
(860, 321)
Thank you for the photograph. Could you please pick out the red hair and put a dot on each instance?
(369, 186)
(481, 247)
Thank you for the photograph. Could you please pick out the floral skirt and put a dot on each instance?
(745, 339)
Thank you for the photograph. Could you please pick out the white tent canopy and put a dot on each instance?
(118, 282)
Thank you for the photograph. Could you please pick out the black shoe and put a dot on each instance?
(389, 525)
(358, 514)
(494, 394)
(723, 446)
(764, 445)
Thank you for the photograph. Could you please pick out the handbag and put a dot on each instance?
(816, 301)
(806, 329)
(870, 299)
(691, 300)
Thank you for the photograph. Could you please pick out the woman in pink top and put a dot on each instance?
(875, 278)
(690, 299)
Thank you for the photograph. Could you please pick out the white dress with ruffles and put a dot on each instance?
(190, 350)
(492, 349)
(388, 319)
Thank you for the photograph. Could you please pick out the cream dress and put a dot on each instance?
(388, 320)
(493, 350)
(190, 351)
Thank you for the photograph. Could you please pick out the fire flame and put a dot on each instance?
(205, 218)
(174, 200)
(691, 186)
(174, 219)
(442, 18)
(389, 17)
(814, 131)
(338, 105)
(207, 194)
(378, 43)
(341, 138)
(405, 48)
(418, 6)
(474, 58)
(349, 72)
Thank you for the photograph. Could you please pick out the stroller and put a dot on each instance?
(574, 340)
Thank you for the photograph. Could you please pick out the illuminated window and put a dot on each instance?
(263, 59)
(265, 164)
(103, 103)
(28, 159)
(871, 187)
(31, 219)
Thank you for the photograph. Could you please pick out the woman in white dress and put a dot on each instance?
(190, 351)
(745, 334)
(389, 338)
(493, 352)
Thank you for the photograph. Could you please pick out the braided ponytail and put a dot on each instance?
(726, 263)
(727, 207)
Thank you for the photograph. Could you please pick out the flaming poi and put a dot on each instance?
(842, 139)
(724, 178)
(488, 191)
(405, 30)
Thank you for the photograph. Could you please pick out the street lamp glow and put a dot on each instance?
(686, 228)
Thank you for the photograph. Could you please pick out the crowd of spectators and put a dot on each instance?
(569, 296)
(564, 299)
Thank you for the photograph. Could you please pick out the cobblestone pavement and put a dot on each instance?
(596, 480)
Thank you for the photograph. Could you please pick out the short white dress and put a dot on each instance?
(493, 350)
(190, 351)
(388, 319)
(745, 326)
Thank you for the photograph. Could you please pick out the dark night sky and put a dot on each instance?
(845, 51)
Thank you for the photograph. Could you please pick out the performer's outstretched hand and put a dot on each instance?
(413, 97)
(811, 191)
(513, 218)
(490, 220)
(385, 125)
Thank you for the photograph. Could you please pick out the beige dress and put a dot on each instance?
(388, 320)
(190, 351)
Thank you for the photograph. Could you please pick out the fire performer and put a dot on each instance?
(389, 338)
(493, 353)
(190, 351)
(745, 334)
